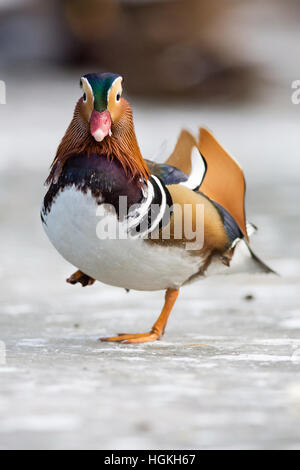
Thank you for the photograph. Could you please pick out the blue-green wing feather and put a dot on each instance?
(167, 173)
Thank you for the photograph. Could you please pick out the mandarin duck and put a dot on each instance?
(135, 224)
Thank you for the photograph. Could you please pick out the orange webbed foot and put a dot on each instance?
(158, 328)
(133, 338)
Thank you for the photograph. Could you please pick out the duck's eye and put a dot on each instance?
(84, 97)
(118, 97)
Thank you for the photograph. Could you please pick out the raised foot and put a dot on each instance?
(80, 277)
(133, 338)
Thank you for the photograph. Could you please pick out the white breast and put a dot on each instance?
(72, 225)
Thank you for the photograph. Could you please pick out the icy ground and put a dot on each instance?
(226, 374)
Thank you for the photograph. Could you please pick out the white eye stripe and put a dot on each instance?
(111, 87)
(84, 81)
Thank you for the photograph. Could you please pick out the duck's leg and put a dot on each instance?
(158, 328)
(79, 276)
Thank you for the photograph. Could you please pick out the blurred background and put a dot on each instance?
(230, 359)
(173, 47)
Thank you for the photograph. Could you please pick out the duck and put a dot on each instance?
(132, 223)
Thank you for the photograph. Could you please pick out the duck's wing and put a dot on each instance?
(224, 180)
(167, 173)
(185, 160)
(181, 156)
(214, 173)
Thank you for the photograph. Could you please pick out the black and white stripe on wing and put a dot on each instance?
(198, 170)
(153, 212)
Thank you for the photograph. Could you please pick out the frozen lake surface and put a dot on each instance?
(226, 374)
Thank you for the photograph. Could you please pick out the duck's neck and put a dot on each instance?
(122, 145)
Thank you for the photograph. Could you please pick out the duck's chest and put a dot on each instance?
(93, 239)
(85, 225)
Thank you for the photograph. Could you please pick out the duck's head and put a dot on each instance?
(102, 124)
(102, 104)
